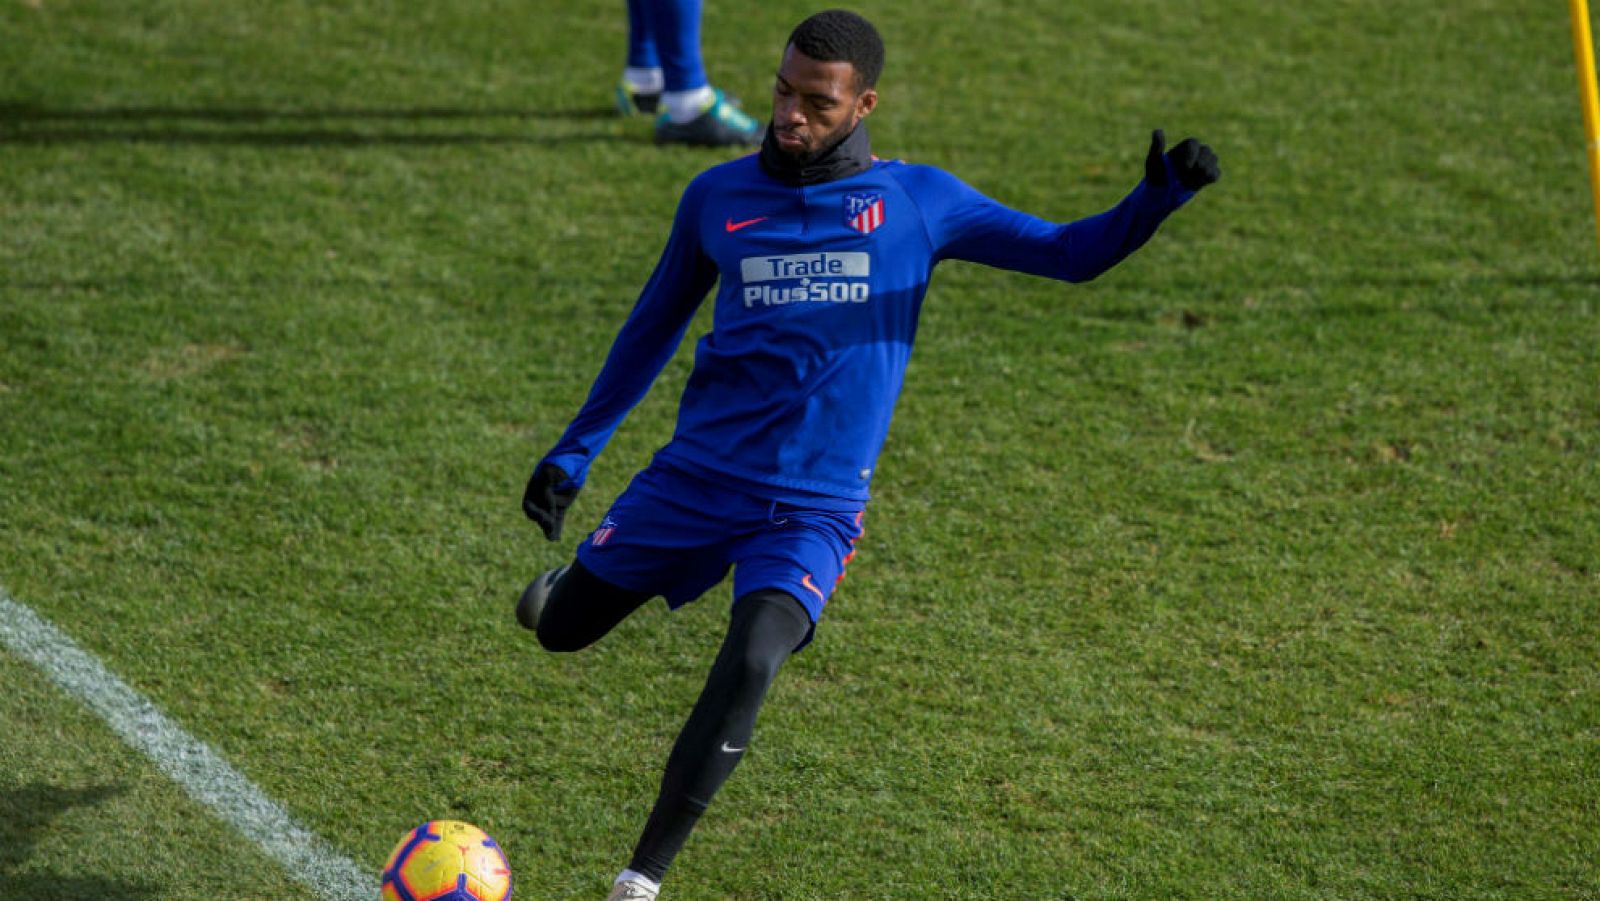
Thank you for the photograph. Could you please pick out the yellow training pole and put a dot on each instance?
(1583, 44)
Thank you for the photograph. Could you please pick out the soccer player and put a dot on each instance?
(665, 72)
(822, 255)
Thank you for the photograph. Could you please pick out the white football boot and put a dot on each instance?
(633, 890)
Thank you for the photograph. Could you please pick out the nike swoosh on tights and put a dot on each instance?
(728, 750)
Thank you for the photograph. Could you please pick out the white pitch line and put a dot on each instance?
(188, 761)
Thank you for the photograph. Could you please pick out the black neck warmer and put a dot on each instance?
(842, 160)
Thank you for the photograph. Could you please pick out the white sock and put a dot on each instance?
(645, 81)
(641, 878)
(685, 105)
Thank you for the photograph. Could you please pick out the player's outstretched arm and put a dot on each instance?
(1094, 245)
(966, 225)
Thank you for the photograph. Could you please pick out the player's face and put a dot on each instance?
(815, 104)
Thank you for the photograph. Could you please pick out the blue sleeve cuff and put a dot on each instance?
(575, 465)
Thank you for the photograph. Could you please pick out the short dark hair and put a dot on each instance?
(841, 35)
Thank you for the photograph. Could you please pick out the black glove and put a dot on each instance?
(1194, 162)
(545, 501)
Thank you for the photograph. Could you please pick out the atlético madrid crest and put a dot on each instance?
(863, 212)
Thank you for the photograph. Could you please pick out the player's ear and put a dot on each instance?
(866, 102)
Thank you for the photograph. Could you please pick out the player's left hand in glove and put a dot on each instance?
(1194, 163)
(546, 500)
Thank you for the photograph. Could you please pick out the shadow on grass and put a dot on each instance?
(25, 813)
(1522, 279)
(1351, 296)
(25, 123)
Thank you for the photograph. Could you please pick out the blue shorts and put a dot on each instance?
(677, 535)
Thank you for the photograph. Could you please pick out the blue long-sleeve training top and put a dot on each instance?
(819, 290)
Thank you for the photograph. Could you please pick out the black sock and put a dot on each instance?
(765, 628)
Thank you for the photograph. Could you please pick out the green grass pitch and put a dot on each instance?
(1263, 567)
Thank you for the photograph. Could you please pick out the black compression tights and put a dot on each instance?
(765, 628)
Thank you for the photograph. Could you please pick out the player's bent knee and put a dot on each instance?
(768, 626)
(758, 666)
(582, 608)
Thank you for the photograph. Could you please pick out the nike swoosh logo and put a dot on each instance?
(728, 750)
(733, 226)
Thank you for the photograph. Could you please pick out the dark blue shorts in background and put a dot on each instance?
(676, 535)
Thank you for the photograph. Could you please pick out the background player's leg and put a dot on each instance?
(675, 25)
(582, 607)
(695, 112)
(642, 78)
(765, 628)
(641, 40)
